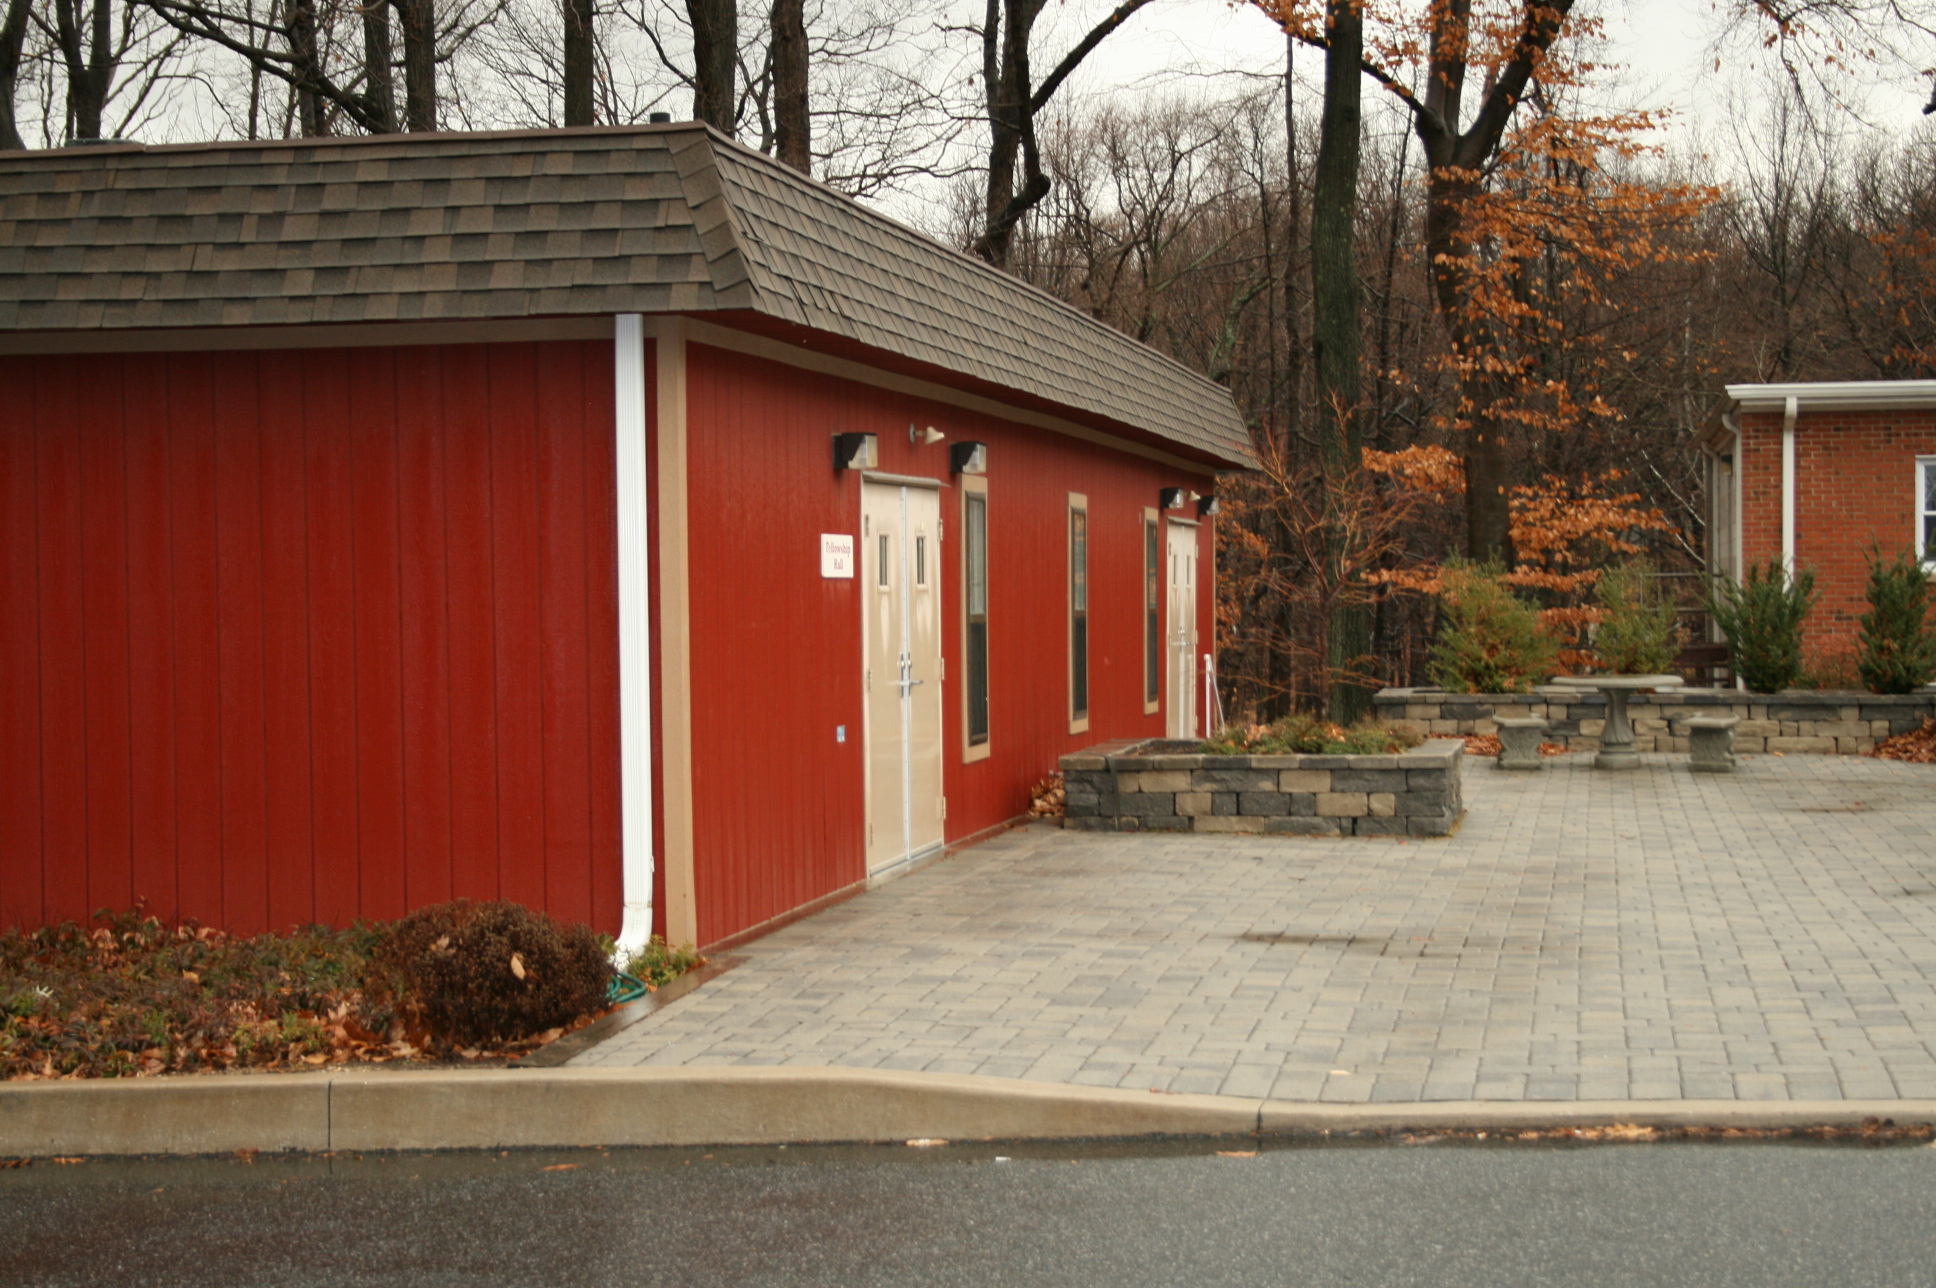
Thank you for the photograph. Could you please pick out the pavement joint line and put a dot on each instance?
(726, 1105)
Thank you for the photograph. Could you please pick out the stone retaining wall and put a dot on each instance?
(1134, 786)
(1825, 722)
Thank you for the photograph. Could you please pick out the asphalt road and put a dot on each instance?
(1443, 1216)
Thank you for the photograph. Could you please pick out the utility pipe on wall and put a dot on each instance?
(1790, 410)
(634, 635)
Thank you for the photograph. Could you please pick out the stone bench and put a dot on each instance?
(1710, 743)
(1519, 739)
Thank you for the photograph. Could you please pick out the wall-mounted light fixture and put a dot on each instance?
(1206, 506)
(925, 437)
(968, 458)
(1171, 498)
(856, 451)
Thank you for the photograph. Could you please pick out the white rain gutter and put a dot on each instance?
(1790, 410)
(634, 632)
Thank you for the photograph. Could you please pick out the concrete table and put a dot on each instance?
(1616, 740)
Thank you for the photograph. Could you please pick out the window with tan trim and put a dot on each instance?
(1078, 613)
(974, 618)
(1926, 511)
(1152, 612)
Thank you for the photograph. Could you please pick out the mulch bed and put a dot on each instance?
(130, 997)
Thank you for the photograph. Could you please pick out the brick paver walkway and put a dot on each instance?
(1763, 935)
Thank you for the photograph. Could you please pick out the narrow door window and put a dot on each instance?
(975, 617)
(1152, 599)
(1078, 613)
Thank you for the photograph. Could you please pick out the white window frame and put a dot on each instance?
(1925, 511)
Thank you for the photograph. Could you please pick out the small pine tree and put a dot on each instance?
(1637, 634)
(1896, 651)
(1762, 618)
(1490, 640)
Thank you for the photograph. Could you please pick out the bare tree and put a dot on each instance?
(715, 57)
(792, 119)
(13, 43)
(580, 59)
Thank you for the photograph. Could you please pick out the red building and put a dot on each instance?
(1814, 475)
(609, 519)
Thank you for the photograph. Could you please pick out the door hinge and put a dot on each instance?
(944, 807)
(944, 670)
(869, 682)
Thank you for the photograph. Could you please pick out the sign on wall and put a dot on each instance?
(836, 554)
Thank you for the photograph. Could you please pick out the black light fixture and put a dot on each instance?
(968, 458)
(1171, 498)
(1206, 506)
(856, 451)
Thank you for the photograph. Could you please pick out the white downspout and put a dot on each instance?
(634, 632)
(1788, 415)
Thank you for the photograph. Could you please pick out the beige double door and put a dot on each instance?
(1182, 643)
(901, 598)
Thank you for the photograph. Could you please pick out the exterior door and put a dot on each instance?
(1183, 630)
(901, 580)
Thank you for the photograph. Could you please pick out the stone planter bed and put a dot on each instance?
(1154, 786)
(1825, 722)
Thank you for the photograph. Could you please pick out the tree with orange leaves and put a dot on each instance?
(1521, 214)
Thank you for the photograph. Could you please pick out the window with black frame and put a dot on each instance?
(975, 616)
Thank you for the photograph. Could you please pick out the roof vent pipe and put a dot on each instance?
(659, 118)
(1790, 410)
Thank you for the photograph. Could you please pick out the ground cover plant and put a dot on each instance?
(130, 995)
(1304, 734)
(1762, 618)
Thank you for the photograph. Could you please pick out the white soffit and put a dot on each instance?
(1835, 395)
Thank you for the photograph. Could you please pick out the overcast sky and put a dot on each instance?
(1666, 49)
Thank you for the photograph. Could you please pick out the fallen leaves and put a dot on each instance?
(1236, 1153)
(1047, 798)
(1918, 746)
(926, 1142)
(560, 1167)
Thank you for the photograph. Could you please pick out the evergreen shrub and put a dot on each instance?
(1896, 649)
(1489, 639)
(1637, 634)
(1762, 618)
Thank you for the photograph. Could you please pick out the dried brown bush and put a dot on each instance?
(471, 972)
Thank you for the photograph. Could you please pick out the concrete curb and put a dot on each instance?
(495, 1109)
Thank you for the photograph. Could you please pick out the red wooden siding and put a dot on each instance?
(1855, 477)
(308, 635)
(778, 805)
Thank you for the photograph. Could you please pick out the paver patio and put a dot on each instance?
(1768, 934)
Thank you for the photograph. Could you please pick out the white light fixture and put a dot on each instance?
(856, 451)
(968, 458)
(1171, 498)
(924, 437)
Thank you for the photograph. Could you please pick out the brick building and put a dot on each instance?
(1815, 474)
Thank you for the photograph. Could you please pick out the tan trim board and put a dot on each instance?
(353, 335)
(900, 480)
(675, 633)
(1078, 503)
(759, 346)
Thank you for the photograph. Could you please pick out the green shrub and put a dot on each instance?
(1896, 650)
(1762, 619)
(1490, 640)
(1307, 735)
(1637, 634)
(492, 972)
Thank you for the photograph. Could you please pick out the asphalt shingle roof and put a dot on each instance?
(650, 219)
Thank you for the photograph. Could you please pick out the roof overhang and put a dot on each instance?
(1835, 395)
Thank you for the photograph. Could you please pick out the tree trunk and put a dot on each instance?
(87, 48)
(1005, 42)
(578, 62)
(13, 39)
(302, 59)
(419, 64)
(715, 53)
(379, 87)
(792, 126)
(1334, 322)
